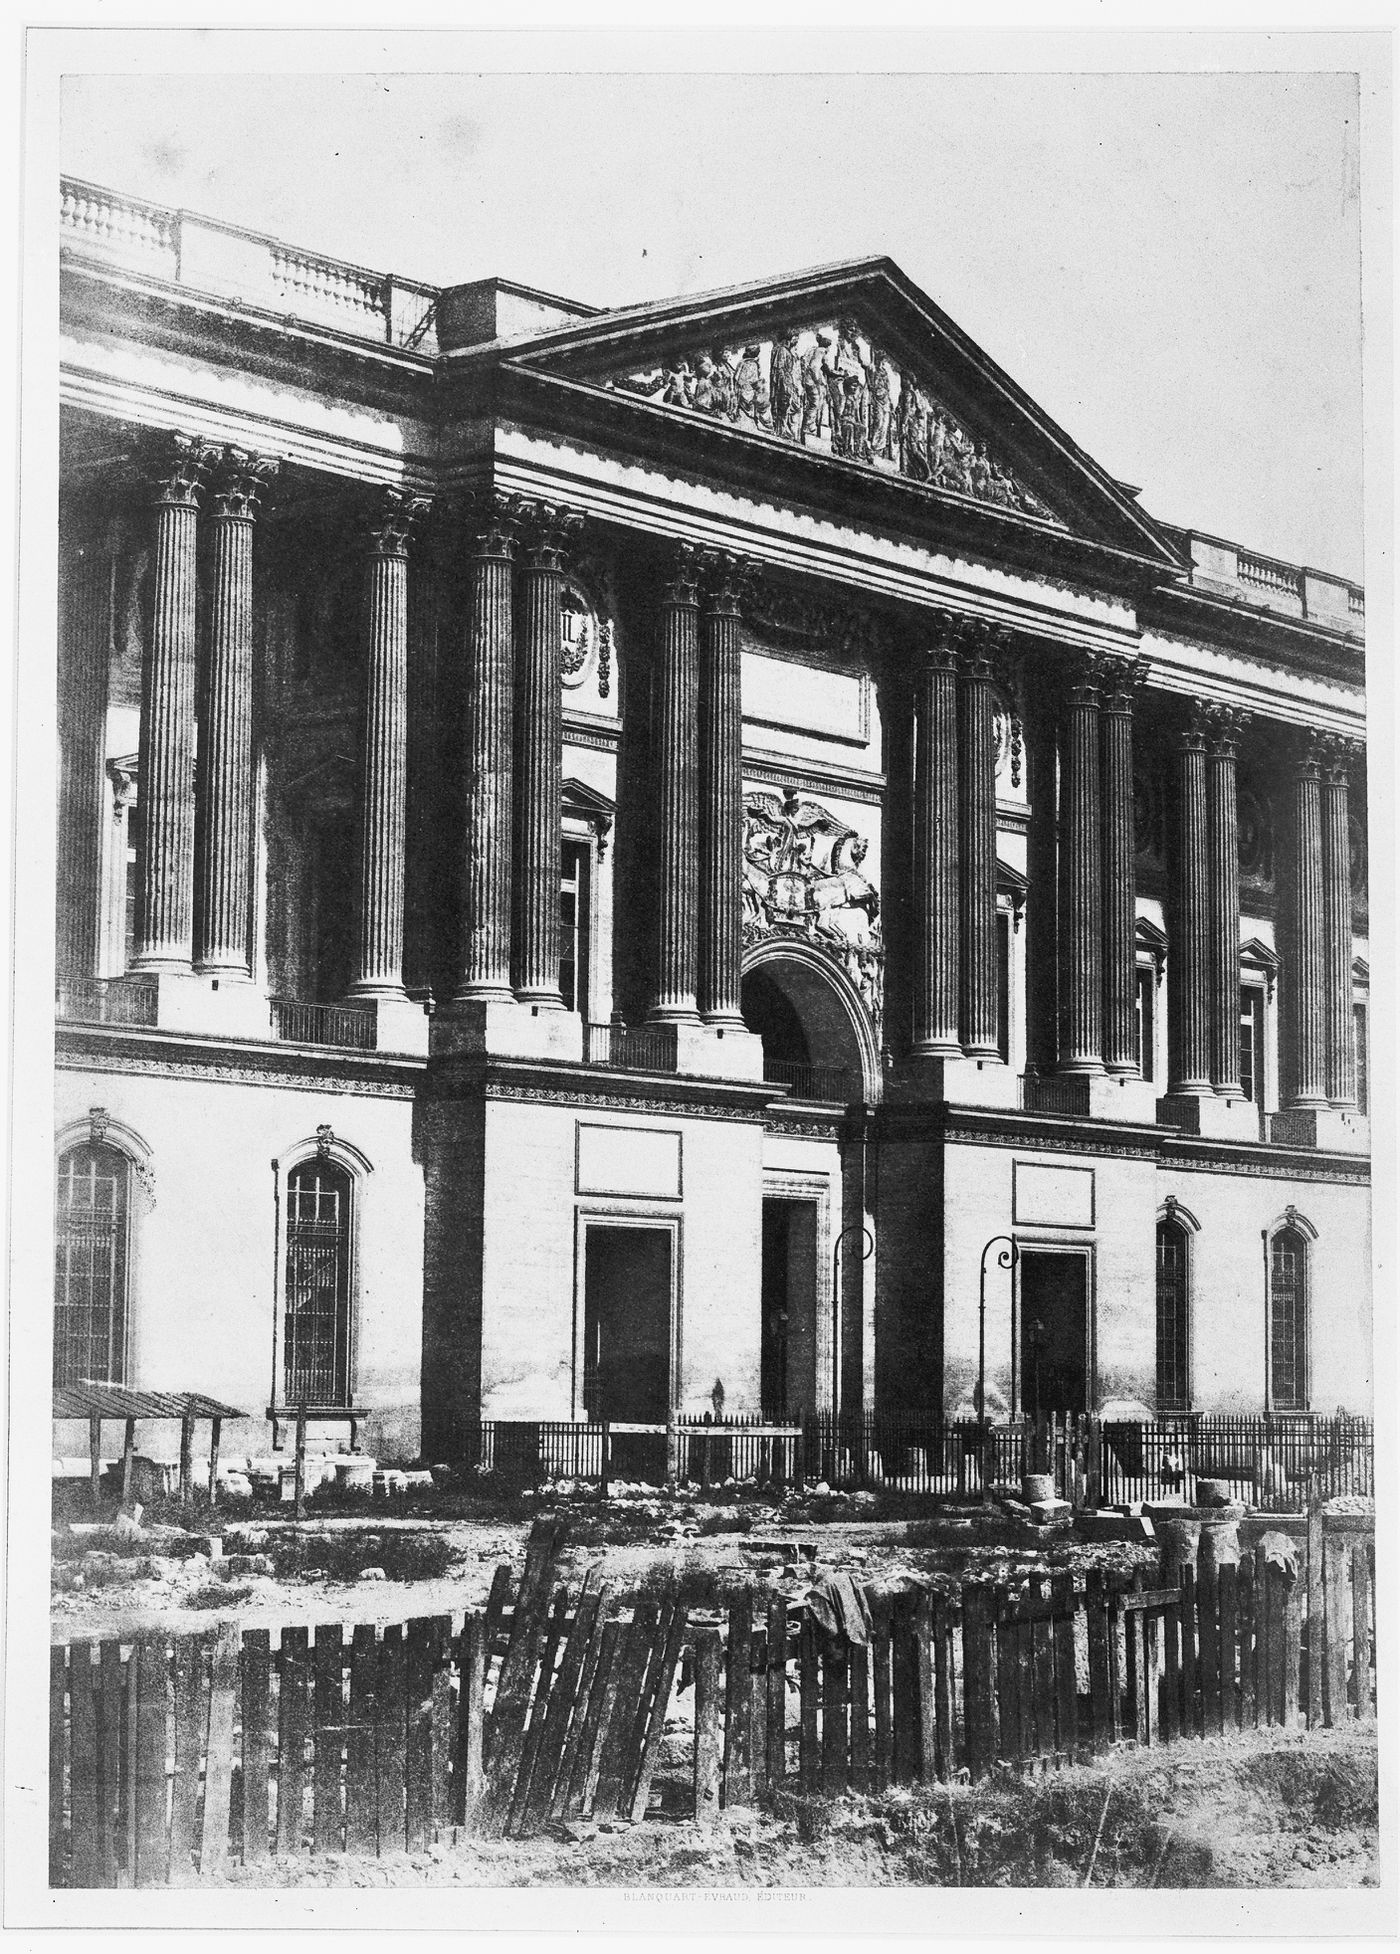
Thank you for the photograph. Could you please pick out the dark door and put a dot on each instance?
(1054, 1331)
(788, 1357)
(627, 1324)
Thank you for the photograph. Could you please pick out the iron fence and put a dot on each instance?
(831, 1083)
(343, 1025)
(117, 1000)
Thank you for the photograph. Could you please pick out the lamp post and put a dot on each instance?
(866, 1251)
(1007, 1258)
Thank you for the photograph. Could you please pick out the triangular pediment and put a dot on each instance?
(853, 365)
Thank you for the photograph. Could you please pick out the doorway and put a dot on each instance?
(788, 1360)
(627, 1327)
(1054, 1286)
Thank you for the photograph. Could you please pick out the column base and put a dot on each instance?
(505, 1028)
(1123, 1097)
(710, 1051)
(1208, 1117)
(400, 1025)
(1331, 1129)
(223, 1006)
(960, 1081)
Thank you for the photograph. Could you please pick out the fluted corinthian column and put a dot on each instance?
(165, 882)
(384, 753)
(224, 812)
(721, 793)
(488, 758)
(1122, 678)
(1336, 908)
(1305, 975)
(935, 850)
(977, 832)
(85, 636)
(675, 772)
(1081, 879)
(1223, 846)
(1188, 965)
(539, 721)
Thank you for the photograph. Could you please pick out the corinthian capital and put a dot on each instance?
(549, 530)
(1223, 726)
(725, 578)
(178, 468)
(1123, 679)
(1084, 675)
(240, 482)
(1338, 756)
(681, 579)
(392, 523)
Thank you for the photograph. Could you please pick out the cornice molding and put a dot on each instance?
(179, 1055)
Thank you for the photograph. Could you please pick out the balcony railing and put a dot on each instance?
(342, 1025)
(1064, 1093)
(631, 1048)
(828, 1083)
(115, 1000)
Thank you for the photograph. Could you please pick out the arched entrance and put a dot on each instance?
(817, 1035)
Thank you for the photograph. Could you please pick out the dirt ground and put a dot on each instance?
(1266, 1809)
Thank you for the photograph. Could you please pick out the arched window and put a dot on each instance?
(90, 1265)
(1288, 1320)
(316, 1322)
(1173, 1317)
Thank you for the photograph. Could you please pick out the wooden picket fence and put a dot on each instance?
(171, 1757)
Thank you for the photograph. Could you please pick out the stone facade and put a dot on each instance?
(604, 858)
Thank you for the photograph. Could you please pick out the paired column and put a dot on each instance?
(977, 826)
(224, 823)
(1081, 879)
(1189, 966)
(85, 638)
(721, 793)
(1336, 907)
(489, 756)
(676, 773)
(384, 764)
(1223, 847)
(1306, 987)
(1122, 679)
(165, 891)
(539, 717)
(935, 851)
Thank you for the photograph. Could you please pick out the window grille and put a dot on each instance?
(90, 1266)
(1288, 1321)
(316, 1326)
(1173, 1304)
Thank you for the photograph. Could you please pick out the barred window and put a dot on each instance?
(90, 1266)
(1173, 1303)
(316, 1325)
(1288, 1321)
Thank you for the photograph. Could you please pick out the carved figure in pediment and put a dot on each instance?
(849, 379)
(751, 400)
(703, 400)
(816, 386)
(883, 386)
(785, 387)
(678, 389)
(916, 428)
(722, 382)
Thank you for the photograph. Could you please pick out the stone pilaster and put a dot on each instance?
(721, 792)
(1223, 846)
(675, 773)
(488, 756)
(1336, 909)
(224, 810)
(384, 762)
(540, 756)
(1122, 679)
(935, 851)
(165, 883)
(977, 836)
(1081, 878)
(1188, 965)
(85, 640)
(1305, 972)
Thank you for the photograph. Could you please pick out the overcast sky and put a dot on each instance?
(1169, 264)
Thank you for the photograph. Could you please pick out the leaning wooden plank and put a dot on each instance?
(114, 1833)
(1043, 1642)
(1171, 1668)
(505, 1729)
(979, 1712)
(660, 1702)
(148, 1761)
(292, 1720)
(1292, 1639)
(538, 1712)
(441, 1724)
(328, 1741)
(1025, 1681)
(1245, 1608)
(835, 1724)
(1316, 1631)
(58, 1746)
(860, 1716)
(191, 1721)
(1334, 1616)
(943, 1687)
(361, 1783)
(560, 1712)
(1361, 1626)
(1097, 1619)
(1008, 1716)
(1208, 1618)
(418, 1759)
(1189, 1617)
(1228, 1591)
(257, 1659)
(904, 1664)
(775, 1692)
(883, 1761)
(218, 1767)
(497, 1602)
(471, 1685)
(709, 1725)
(809, 1677)
(573, 1764)
(90, 1862)
(617, 1753)
(1278, 1645)
(738, 1704)
(924, 1640)
(391, 1712)
(1263, 1709)
(1066, 1688)
(602, 1696)
(636, 1736)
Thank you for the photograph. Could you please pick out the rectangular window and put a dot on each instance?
(1146, 1029)
(573, 925)
(1360, 1017)
(1252, 1042)
(1004, 987)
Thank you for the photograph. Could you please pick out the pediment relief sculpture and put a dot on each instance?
(804, 878)
(831, 388)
